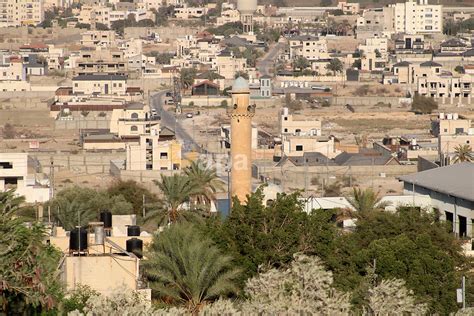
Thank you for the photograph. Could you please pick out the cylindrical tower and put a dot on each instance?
(241, 113)
(247, 8)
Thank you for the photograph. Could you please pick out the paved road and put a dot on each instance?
(266, 64)
(169, 120)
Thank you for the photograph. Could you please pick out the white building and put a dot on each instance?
(411, 17)
(309, 47)
(16, 173)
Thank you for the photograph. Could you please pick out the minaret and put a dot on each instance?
(241, 113)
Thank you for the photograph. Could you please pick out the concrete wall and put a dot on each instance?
(87, 162)
(295, 177)
(394, 101)
(83, 123)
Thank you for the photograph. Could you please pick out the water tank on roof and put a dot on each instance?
(135, 246)
(133, 230)
(449, 116)
(455, 116)
(247, 6)
(99, 235)
(78, 239)
(106, 218)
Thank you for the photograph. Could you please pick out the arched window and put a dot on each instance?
(134, 128)
(134, 115)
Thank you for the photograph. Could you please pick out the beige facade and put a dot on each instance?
(290, 126)
(228, 16)
(351, 8)
(109, 61)
(241, 114)
(298, 145)
(96, 38)
(450, 87)
(309, 47)
(186, 12)
(450, 124)
(99, 84)
(21, 12)
(154, 154)
(228, 66)
(12, 69)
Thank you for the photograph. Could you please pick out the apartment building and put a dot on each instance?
(21, 12)
(446, 86)
(95, 84)
(96, 38)
(92, 61)
(185, 12)
(227, 65)
(375, 44)
(410, 44)
(407, 17)
(412, 17)
(349, 8)
(228, 16)
(308, 46)
(409, 73)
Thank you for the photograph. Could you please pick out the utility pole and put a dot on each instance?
(51, 186)
(143, 206)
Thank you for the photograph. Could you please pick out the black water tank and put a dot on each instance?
(135, 246)
(78, 239)
(133, 230)
(106, 218)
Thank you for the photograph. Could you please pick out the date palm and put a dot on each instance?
(205, 181)
(176, 190)
(185, 267)
(463, 153)
(365, 201)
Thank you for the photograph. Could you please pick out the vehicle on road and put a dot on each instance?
(189, 115)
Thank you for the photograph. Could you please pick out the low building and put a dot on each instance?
(291, 126)
(451, 189)
(90, 84)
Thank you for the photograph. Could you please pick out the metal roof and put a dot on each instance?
(455, 180)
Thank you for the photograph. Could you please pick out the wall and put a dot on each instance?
(83, 123)
(369, 101)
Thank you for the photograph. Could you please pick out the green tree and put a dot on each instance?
(463, 153)
(78, 206)
(259, 235)
(187, 76)
(301, 63)
(365, 201)
(410, 245)
(28, 282)
(134, 193)
(205, 181)
(459, 69)
(335, 65)
(424, 104)
(177, 190)
(186, 267)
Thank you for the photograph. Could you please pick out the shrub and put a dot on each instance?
(423, 104)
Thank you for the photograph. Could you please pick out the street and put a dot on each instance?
(265, 65)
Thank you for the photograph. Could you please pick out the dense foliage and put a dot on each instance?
(28, 281)
(424, 104)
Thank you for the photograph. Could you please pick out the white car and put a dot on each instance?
(189, 115)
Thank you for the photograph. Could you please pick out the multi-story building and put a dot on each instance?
(185, 12)
(446, 86)
(89, 61)
(412, 17)
(351, 8)
(408, 17)
(290, 126)
(21, 12)
(12, 68)
(309, 47)
(98, 38)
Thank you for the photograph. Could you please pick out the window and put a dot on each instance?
(134, 116)
(285, 118)
(164, 155)
(299, 147)
(134, 128)
(286, 130)
(76, 85)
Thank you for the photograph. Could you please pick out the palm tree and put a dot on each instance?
(176, 190)
(365, 201)
(185, 267)
(205, 181)
(463, 153)
(10, 203)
